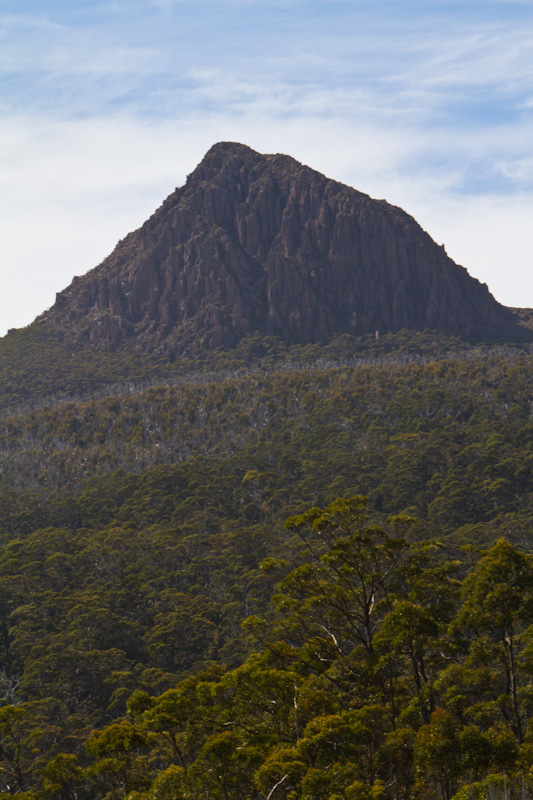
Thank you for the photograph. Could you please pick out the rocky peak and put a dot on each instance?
(263, 243)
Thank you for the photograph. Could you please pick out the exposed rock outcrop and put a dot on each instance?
(262, 243)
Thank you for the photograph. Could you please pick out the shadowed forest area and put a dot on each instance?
(269, 573)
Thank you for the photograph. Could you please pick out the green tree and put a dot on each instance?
(495, 618)
(20, 734)
(336, 600)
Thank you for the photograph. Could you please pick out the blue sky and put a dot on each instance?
(106, 106)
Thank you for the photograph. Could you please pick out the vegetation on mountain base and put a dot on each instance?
(447, 437)
(142, 523)
(380, 673)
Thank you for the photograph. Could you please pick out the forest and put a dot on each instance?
(270, 573)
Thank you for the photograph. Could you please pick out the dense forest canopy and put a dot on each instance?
(269, 573)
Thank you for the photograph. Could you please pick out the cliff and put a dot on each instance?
(262, 243)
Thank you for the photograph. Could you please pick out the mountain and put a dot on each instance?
(262, 243)
(272, 571)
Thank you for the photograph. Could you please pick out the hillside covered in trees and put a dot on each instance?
(165, 634)
(266, 487)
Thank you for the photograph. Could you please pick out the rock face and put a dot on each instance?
(262, 243)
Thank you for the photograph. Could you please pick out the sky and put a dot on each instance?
(106, 106)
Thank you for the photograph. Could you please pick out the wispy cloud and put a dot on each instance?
(10, 22)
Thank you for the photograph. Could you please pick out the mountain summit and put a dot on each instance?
(263, 243)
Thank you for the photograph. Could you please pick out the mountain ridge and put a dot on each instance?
(256, 242)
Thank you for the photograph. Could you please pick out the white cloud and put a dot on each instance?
(492, 237)
(518, 170)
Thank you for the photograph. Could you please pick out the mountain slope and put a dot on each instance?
(262, 243)
(142, 522)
